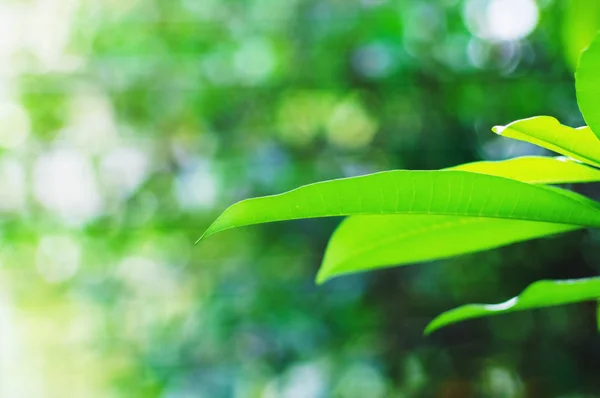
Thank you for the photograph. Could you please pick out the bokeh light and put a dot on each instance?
(501, 20)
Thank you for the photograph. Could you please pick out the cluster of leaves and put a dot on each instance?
(402, 217)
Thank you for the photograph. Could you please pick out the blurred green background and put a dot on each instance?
(127, 126)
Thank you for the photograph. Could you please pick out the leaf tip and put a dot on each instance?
(204, 235)
(322, 277)
(430, 328)
(211, 230)
(498, 129)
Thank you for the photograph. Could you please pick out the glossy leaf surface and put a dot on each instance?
(536, 169)
(362, 243)
(545, 131)
(587, 85)
(540, 294)
(447, 192)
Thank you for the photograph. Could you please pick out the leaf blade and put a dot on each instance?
(362, 243)
(540, 294)
(414, 192)
(587, 85)
(535, 169)
(545, 131)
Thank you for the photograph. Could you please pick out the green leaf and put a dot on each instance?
(545, 131)
(446, 192)
(580, 22)
(587, 85)
(536, 169)
(540, 294)
(362, 243)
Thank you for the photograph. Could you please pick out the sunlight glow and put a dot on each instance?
(14, 185)
(14, 125)
(91, 122)
(196, 186)
(501, 20)
(64, 182)
(350, 126)
(20, 27)
(123, 169)
(57, 258)
(254, 61)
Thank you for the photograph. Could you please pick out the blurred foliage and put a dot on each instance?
(127, 126)
(581, 23)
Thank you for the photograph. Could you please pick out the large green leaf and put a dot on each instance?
(537, 295)
(545, 131)
(587, 85)
(447, 192)
(536, 169)
(363, 243)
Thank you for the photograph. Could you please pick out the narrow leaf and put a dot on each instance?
(545, 131)
(540, 294)
(447, 192)
(587, 85)
(536, 169)
(362, 243)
